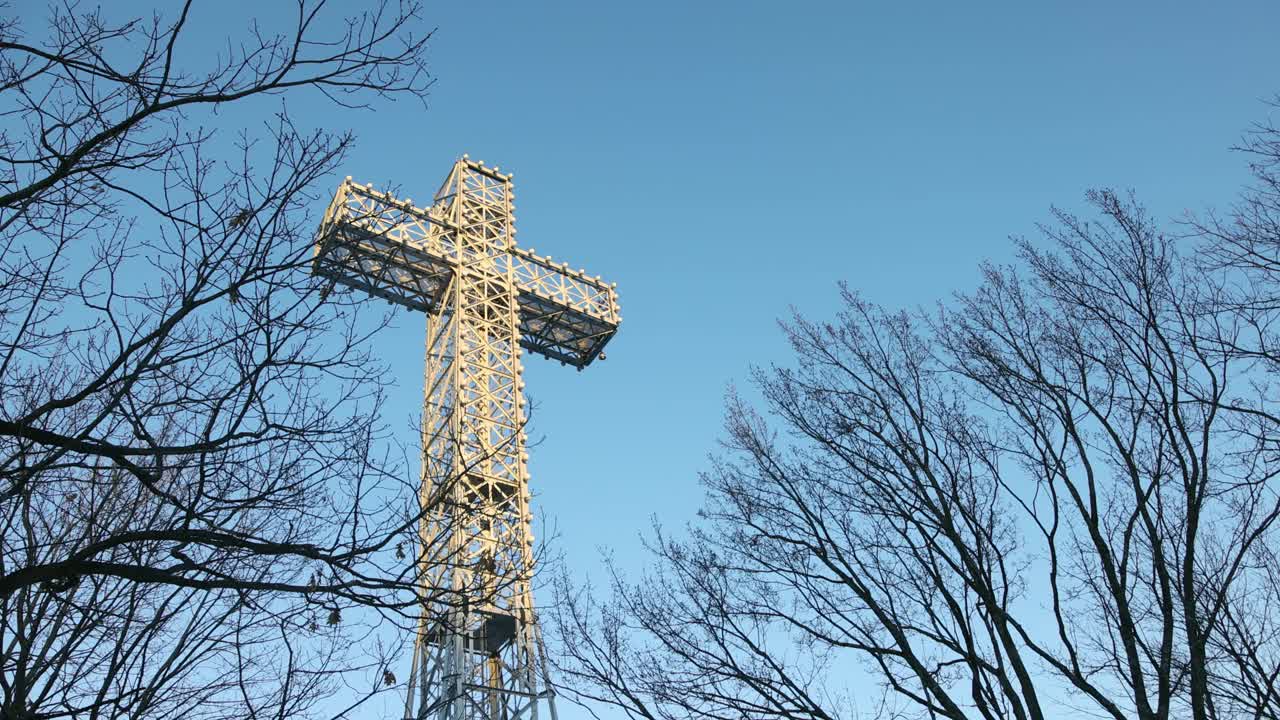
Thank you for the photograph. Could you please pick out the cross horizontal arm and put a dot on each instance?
(565, 315)
(389, 248)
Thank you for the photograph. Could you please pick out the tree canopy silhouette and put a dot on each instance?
(1055, 494)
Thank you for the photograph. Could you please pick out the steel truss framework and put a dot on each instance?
(479, 653)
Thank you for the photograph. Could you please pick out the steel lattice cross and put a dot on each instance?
(479, 652)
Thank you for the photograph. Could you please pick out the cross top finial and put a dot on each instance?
(479, 166)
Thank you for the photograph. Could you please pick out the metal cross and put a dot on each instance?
(479, 651)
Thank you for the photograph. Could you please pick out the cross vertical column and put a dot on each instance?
(487, 659)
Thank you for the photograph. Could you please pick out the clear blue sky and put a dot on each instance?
(725, 161)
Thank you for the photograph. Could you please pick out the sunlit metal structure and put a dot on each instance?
(479, 650)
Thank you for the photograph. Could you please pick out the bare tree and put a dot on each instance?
(1053, 496)
(1246, 245)
(194, 480)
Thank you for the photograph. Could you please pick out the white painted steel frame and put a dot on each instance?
(479, 651)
